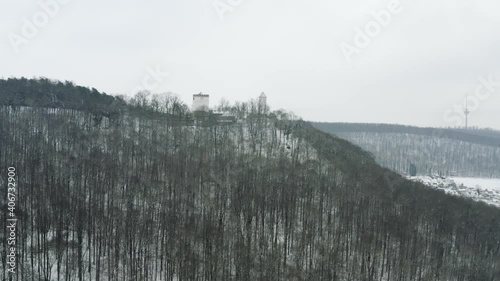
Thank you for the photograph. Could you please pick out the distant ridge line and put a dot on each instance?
(486, 137)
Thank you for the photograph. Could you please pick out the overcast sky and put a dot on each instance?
(415, 70)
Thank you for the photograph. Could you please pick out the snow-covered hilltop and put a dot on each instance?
(145, 189)
(485, 190)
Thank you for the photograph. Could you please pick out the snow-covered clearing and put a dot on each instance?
(479, 189)
(492, 184)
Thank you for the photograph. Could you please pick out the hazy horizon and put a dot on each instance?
(413, 69)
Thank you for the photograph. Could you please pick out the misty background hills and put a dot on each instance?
(115, 188)
(434, 151)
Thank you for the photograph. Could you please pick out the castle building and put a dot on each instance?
(262, 102)
(201, 102)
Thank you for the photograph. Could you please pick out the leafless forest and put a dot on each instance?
(133, 190)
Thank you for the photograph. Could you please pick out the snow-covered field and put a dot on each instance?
(479, 189)
(493, 184)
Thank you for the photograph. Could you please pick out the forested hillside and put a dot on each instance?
(55, 94)
(132, 196)
(448, 152)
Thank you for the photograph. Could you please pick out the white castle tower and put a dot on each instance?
(201, 102)
(262, 102)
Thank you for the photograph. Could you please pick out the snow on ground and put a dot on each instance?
(492, 184)
(479, 189)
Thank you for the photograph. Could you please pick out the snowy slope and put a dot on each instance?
(485, 190)
(492, 184)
